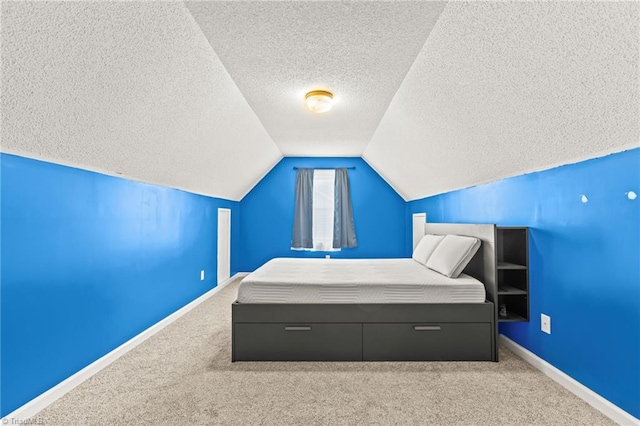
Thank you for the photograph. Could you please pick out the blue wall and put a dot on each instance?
(267, 214)
(88, 262)
(585, 265)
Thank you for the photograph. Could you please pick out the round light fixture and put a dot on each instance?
(319, 101)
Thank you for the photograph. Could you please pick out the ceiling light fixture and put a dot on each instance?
(319, 101)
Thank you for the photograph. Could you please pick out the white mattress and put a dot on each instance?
(285, 280)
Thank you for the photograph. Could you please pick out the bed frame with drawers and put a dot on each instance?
(377, 332)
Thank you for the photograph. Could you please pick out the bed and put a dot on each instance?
(369, 309)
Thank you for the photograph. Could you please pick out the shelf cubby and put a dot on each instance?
(513, 273)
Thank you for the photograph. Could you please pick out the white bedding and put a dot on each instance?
(287, 280)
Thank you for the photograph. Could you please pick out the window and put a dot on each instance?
(323, 217)
(323, 207)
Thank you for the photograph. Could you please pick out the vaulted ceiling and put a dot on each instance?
(207, 96)
(276, 52)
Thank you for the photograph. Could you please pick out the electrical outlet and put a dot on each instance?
(327, 256)
(202, 275)
(545, 323)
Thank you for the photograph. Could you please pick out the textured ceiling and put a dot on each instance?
(131, 89)
(278, 51)
(207, 97)
(505, 88)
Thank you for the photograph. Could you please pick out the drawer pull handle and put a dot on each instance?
(306, 328)
(426, 327)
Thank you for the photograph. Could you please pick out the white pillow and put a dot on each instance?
(453, 254)
(425, 248)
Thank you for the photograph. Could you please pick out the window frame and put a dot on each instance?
(323, 195)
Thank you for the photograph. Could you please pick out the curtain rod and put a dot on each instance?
(325, 168)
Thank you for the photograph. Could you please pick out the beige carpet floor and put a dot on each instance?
(183, 375)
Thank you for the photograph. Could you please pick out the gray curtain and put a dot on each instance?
(303, 216)
(344, 231)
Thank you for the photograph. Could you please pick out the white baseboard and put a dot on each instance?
(33, 407)
(601, 404)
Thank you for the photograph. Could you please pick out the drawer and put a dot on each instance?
(426, 342)
(297, 342)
